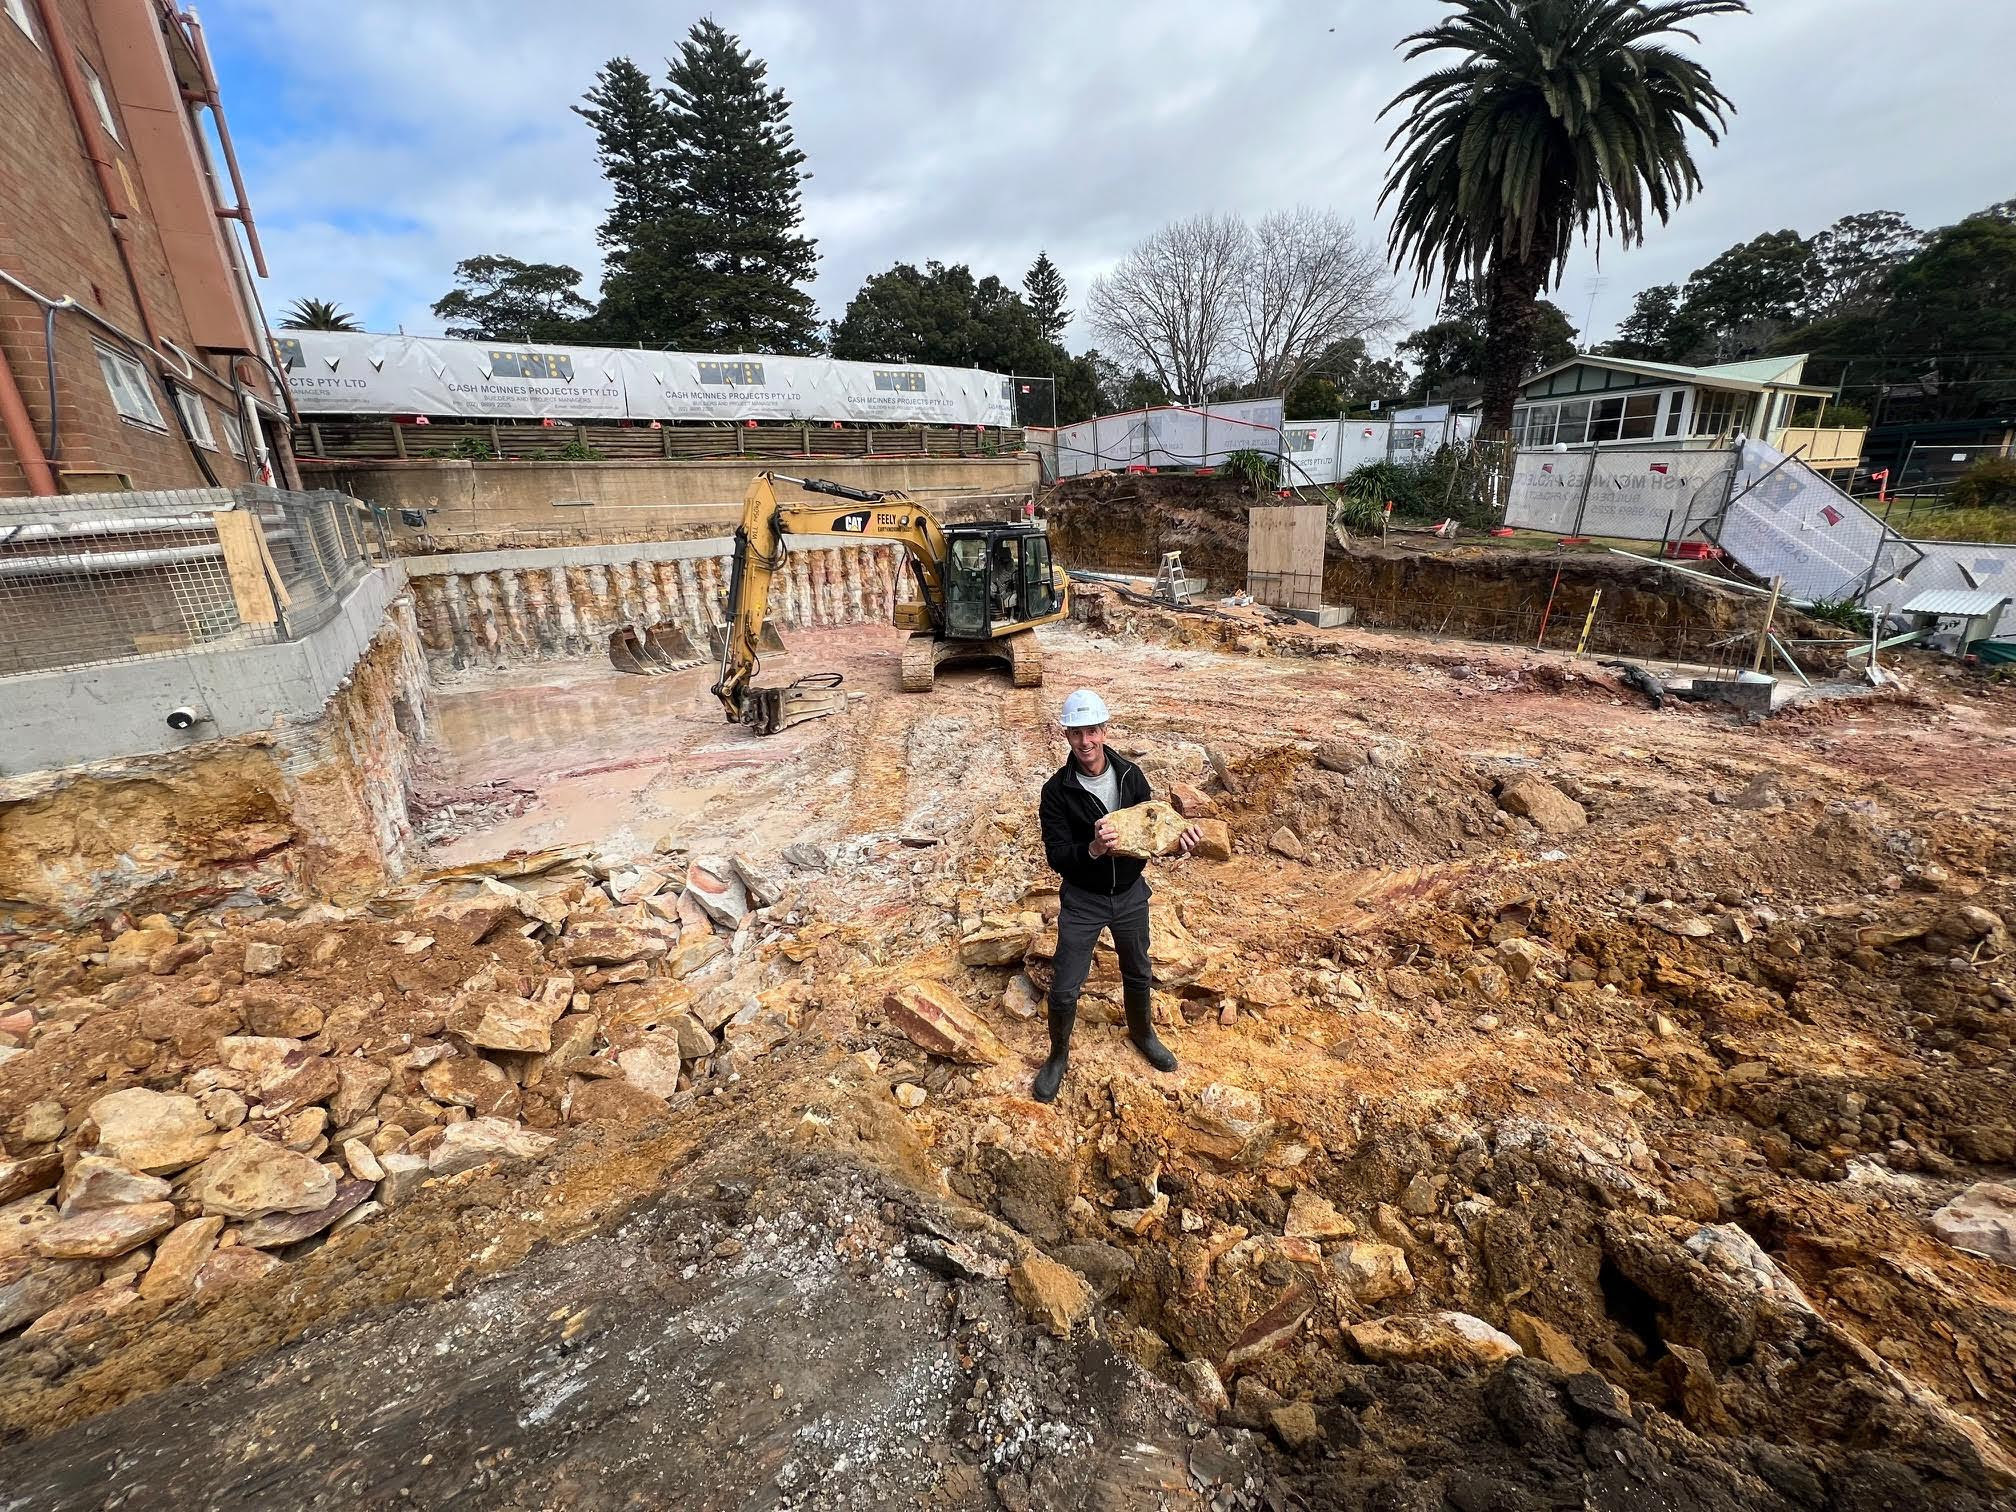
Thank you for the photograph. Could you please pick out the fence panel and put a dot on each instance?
(1169, 436)
(1635, 495)
(103, 577)
(1328, 451)
(1785, 520)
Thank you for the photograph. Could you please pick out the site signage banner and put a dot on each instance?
(345, 372)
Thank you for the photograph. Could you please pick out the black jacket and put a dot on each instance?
(1069, 815)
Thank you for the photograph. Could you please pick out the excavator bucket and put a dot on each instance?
(812, 696)
(652, 650)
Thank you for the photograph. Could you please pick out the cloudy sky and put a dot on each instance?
(384, 140)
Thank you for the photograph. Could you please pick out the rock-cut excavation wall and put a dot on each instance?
(493, 608)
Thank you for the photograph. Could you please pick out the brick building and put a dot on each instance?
(126, 300)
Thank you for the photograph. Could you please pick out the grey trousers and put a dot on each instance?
(1081, 916)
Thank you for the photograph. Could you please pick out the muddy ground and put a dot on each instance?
(1668, 1096)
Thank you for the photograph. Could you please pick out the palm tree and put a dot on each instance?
(1563, 118)
(318, 315)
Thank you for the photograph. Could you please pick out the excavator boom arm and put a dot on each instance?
(759, 551)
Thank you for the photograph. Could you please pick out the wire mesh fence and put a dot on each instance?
(104, 577)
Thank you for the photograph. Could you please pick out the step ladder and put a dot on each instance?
(1171, 586)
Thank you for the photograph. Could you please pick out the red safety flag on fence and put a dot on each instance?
(1659, 467)
(1830, 514)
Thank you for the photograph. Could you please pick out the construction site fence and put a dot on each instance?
(1633, 495)
(1171, 436)
(1329, 451)
(104, 577)
(388, 440)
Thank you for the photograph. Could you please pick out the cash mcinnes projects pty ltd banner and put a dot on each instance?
(353, 373)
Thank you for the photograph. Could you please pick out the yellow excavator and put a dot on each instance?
(983, 589)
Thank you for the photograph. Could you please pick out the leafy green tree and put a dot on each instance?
(502, 299)
(946, 316)
(1743, 299)
(701, 244)
(1655, 330)
(1045, 288)
(1558, 119)
(1856, 256)
(1452, 353)
(1952, 312)
(317, 315)
(1344, 380)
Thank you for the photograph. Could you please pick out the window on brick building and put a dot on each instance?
(196, 415)
(17, 12)
(103, 101)
(234, 433)
(132, 393)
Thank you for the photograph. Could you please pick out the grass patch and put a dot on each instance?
(1955, 524)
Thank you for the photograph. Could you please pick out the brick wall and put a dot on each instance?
(56, 235)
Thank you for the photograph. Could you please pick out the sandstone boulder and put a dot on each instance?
(31, 1285)
(1285, 842)
(1053, 1295)
(1542, 1340)
(470, 1082)
(464, 1146)
(652, 1064)
(254, 1178)
(277, 1230)
(1193, 803)
(598, 942)
(359, 1084)
(933, 1017)
(1214, 840)
(504, 1021)
(1374, 1272)
(31, 1173)
(1437, 1338)
(1533, 797)
(763, 889)
(1339, 755)
(713, 883)
(134, 951)
(1981, 1219)
(615, 1102)
(105, 1233)
(1148, 829)
(694, 953)
(263, 958)
(95, 1182)
(228, 1270)
(154, 1132)
(999, 946)
(1312, 1216)
(178, 1257)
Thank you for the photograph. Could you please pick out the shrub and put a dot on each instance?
(1846, 417)
(1255, 469)
(578, 451)
(1844, 612)
(1988, 484)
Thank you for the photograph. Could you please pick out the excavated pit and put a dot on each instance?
(1662, 1078)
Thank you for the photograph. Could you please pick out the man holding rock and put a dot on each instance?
(1102, 886)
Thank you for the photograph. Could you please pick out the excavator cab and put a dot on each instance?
(998, 576)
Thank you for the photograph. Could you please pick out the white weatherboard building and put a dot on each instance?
(1603, 402)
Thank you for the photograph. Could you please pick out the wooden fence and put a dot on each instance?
(488, 443)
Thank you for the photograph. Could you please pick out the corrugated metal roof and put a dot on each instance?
(1956, 601)
(1753, 376)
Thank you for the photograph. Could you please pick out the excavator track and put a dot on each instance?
(1026, 659)
(920, 663)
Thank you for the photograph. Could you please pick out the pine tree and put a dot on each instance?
(633, 142)
(1045, 287)
(736, 175)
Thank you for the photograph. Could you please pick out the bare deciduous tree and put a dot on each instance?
(1308, 284)
(1173, 302)
(1202, 294)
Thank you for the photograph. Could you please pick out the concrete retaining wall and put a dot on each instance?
(120, 709)
(477, 505)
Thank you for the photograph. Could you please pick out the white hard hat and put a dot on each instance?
(1083, 707)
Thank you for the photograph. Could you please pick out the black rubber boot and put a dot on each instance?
(1051, 1077)
(1141, 1030)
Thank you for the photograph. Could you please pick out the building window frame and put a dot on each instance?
(95, 87)
(131, 389)
(1719, 411)
(234, 433)
(17, 12)
(196, 415)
